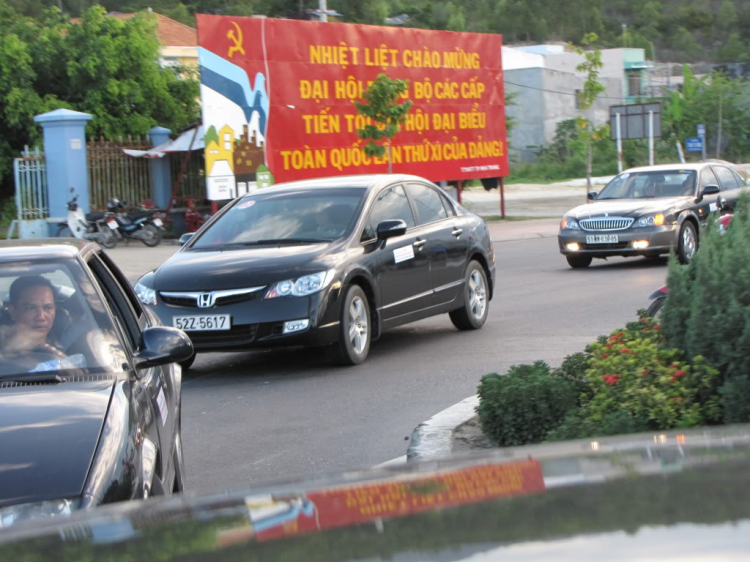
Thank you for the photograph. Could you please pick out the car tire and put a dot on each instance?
(187, 363)
(473, 314)
(355, 333)
(688, 243)
(578, 262)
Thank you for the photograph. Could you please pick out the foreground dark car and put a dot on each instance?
(663, 496)
(330, 262)
(648, 211)
(89, 393)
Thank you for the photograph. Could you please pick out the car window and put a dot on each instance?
(390, 204)
(317, 214)
(650, 184)
(428, 203)
(124, 312)
(739, 178)
(53, 319)
(448, 206)
(726, 177)
(708, 178)
(123, 283)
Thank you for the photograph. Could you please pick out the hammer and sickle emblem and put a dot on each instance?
(236, 39)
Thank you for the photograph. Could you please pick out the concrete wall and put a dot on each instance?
(528, 112)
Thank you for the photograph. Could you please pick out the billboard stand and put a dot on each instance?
(459, 188)
(502, 198)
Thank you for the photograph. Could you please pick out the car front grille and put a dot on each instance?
(236, 335)
(606, 223)
(219, 298)
(616, 246)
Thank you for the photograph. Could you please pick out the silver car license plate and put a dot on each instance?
(602, 239)
(202, 323)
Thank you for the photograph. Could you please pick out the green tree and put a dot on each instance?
(592, 89)
(102, 66)
(382, 106)
(734, 50)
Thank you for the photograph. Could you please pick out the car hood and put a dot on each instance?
(677, 492)
(201, 270)
(48, 435)
(626, 207)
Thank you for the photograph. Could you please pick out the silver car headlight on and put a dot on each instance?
(145, 294)
(652, 220)
(302, 287)
(569, 223)
(38, 510)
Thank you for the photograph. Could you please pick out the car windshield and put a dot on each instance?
(650, 184)
(293, 217)
(53, 321)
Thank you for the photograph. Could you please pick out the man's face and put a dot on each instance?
(35, 310)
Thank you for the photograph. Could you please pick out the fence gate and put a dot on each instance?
(32, 204)
(112, 173)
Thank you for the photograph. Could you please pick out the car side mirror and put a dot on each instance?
(390, 229)
(708, 190)
(185, 238)
(591, 195)
(161, 345)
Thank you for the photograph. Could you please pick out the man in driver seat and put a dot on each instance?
(32, 310)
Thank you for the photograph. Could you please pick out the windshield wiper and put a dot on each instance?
(49, 376)
(290, 241)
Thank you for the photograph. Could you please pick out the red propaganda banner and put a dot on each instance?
(282, 516)
(278, 100)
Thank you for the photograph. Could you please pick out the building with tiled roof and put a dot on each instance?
(179, 41)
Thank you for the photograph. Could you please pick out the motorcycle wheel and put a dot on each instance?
(107, 238)
(64, 232)
(654, 311)
(155, 235)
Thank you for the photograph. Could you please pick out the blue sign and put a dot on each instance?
(694, 145)
(701, 130)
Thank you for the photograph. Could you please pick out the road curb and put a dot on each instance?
(432, 439)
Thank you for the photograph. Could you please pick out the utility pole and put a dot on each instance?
(323, 7)
(624, 34)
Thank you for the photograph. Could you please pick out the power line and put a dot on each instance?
(553, 91)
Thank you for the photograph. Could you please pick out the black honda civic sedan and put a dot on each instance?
(89, 390)
(329, 262)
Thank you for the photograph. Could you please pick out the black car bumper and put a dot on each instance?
(259, 322)
(660, 240)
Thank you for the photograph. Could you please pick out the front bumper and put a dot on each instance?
(259, 322)
(660, 238)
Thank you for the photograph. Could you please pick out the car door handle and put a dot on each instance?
(457, 232)
(419, 244)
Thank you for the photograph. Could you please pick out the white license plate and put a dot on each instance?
(202, 323)
(112, 225)
(602, 239)
(158, 222)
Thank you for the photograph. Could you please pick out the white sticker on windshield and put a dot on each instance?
(403, 254)
(625, 176)
(161, 400)
(712, 207)
(246, 204)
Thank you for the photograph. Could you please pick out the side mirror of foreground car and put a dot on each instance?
(185, 238)
(161, 345)
(711, 190)
(592, 194)
(390, 229)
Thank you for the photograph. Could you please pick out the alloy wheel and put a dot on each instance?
(358, 325)
(477, 294)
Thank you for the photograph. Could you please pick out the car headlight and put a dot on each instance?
(38, 510)
(145, 294)
(652, 220)
(148, 465)
(303, 286)
(569, 223)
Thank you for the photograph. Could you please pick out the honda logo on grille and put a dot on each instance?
(206, 300)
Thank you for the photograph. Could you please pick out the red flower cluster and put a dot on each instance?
(605, 355)
(611, 380)
(657, 327)
(677, 375)
(645, 372)
(678, 399)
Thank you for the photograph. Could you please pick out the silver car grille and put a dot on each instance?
(606, 223)
(209, 299)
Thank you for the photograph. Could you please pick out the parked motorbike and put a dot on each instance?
(144, 225)
(660, 295)
(99, 227)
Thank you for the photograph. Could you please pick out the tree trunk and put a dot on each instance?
(589, 152)
(389, 156)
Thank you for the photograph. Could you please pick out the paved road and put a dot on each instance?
(258, 416)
